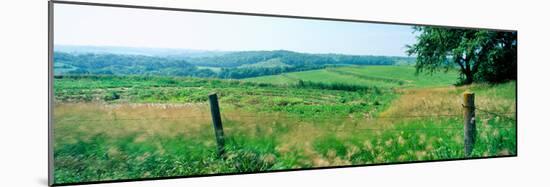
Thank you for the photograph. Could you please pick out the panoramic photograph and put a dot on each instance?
(144, 94)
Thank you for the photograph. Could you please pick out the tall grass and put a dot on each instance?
(159, 127)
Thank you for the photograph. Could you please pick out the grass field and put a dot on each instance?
(380, 76)
(109, 128)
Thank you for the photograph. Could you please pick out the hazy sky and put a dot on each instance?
(109, 26)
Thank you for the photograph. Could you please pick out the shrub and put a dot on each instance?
(111, 96)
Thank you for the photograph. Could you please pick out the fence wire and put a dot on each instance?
(499, 114)
(270, 117)
(302, 118)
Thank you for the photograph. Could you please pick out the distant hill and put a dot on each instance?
(93, 60)
(271, 63)
(235, 59)
(113, 64)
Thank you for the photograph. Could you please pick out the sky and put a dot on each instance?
(129, 27)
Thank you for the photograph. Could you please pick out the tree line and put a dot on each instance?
(236, 59)
(236, 65)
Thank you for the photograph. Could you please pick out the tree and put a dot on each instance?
(481, 55)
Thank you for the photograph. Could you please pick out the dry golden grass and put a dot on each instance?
(446, 101)
(128, 118)
(421, 102)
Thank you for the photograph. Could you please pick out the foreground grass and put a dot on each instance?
(159, 127)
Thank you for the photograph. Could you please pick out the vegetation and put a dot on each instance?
(125, 127)
(378, 76)
(231, 65)
(112, 64)
(481, 55)
(291, 58)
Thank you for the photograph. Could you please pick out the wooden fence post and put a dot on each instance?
(469, 123)
(217, 121)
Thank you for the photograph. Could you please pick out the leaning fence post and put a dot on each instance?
(217, 122)
(469, 123)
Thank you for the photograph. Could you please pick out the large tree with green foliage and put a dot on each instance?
(480, 54)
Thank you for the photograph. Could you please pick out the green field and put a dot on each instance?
(127, 127)
(380, 76)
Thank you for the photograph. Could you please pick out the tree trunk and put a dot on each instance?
(469, 77)
(468, 71)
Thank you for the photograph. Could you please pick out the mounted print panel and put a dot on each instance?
(151, 93)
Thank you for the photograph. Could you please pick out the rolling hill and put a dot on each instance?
(380, 76)
(92, 60)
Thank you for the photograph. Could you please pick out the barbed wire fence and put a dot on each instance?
(469, 115)
(501, 115)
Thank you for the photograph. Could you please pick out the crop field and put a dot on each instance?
(127, 127)
(380, 76)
